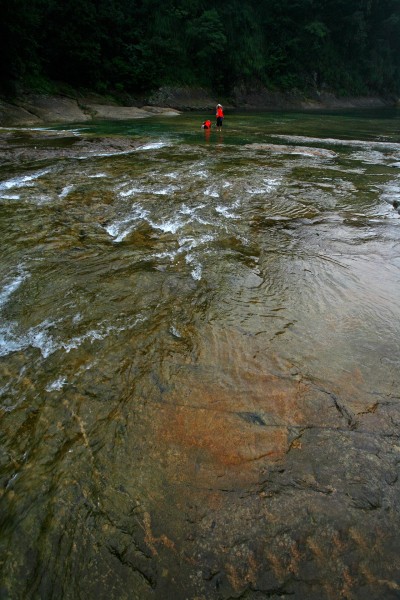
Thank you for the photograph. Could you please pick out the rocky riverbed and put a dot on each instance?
(199, 360)
(18, 146)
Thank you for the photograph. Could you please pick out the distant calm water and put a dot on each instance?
(177, 323)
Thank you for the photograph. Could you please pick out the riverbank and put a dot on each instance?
(39, 109)
(30, 109)
(259, 98)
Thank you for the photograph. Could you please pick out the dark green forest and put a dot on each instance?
(134, 46)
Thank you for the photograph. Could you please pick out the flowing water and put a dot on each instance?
(199, 345)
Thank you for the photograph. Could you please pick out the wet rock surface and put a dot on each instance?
(303, 150)
(267, 99)
(36, 109)
(21, 146)
(169, 437)
(101, 111)
(287, 490)
(273, 502)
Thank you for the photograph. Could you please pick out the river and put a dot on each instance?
(199, 354)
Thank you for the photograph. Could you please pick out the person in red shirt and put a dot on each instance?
(220, 116)
(207, 124)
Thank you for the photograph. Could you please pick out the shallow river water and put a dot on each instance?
(200, 361)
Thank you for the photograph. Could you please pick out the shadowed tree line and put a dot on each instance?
(347, 46)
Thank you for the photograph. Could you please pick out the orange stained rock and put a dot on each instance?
(225, 417)
(211, 430)
(153, 541)
(224, 437)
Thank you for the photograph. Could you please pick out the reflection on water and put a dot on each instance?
(199, 347)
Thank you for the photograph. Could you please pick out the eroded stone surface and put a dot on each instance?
(190, 464)
(19, 146)
(35, 109)
(303, 150)
(266, 491)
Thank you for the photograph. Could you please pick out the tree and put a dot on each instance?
(348, 46)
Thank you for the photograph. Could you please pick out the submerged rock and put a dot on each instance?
(38, 145)
(303, 150)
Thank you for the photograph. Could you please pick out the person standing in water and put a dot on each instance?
(220, 116)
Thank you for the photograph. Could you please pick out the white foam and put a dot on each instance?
(131, 191)
(115, 228)
(272, 183)
(175, 332)
(371, 157)
(162, 255)
(65, 191)
(97, 175)
(197, 270)
(188, 243)
(340, 142)
(256, 191)
(153, 146)
(202, 221)
(391, 191)
(98, 334)
(225, 211)
(92, 335)
(123, 234)
(170, 189)
(25, 180)
(57, 385)
(8, 341)
(36, 337)
(27, 129)
(164, 191)
(169, 226)
(120, 229)
(9, 197)
(12, 286)
(4, 390)
(201, 173)
(105, 154)
(118, 153)
(187, 210)
(40, 338)
(211, 192)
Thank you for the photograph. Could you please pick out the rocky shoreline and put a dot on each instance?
(40, 109)
(23, 120)
(30, 109)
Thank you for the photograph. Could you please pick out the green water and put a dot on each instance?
(173, 319)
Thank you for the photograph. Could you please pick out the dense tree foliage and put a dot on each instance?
(349, 46)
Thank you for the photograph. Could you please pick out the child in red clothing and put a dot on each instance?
(220, 116)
